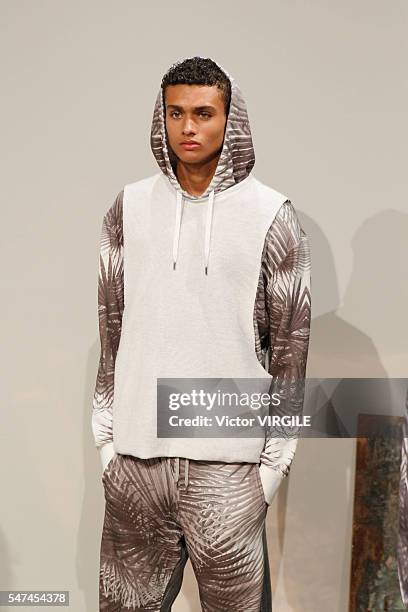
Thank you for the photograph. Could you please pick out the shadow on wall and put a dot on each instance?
(310, 545)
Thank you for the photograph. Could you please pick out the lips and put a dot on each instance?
(190, 145)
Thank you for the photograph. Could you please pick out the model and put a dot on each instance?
(204, 272)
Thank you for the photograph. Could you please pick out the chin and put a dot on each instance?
(190, 156)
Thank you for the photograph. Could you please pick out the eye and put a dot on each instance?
(205, 114)
(172, 113)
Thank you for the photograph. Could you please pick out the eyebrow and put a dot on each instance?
(206, 107)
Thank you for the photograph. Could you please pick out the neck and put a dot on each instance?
(195, 178)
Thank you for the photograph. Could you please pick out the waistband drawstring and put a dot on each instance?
(186, 465)
(177, 471)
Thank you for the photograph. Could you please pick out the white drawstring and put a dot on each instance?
(177, 227)
(186, 464)
(177, 470)
(208, 226)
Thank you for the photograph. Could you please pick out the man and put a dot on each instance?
(204, 272)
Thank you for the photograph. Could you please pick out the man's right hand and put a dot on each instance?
(106, 453)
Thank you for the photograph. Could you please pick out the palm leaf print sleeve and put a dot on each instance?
(110, 311)
(286, 274)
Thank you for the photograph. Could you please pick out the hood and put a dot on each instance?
(235, 163)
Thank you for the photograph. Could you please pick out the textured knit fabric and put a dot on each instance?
(281, 303)
(284, 281)
(154, 522)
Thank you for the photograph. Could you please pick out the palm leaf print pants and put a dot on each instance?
(161, 511)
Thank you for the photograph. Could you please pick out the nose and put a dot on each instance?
(189, 127)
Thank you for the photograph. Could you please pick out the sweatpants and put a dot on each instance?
(161, 511)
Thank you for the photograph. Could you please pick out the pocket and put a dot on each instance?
(259, 481)
(109, 466)
(266, 505)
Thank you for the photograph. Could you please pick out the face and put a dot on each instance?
(195, 113)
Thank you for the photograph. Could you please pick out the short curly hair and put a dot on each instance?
(199, 71)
